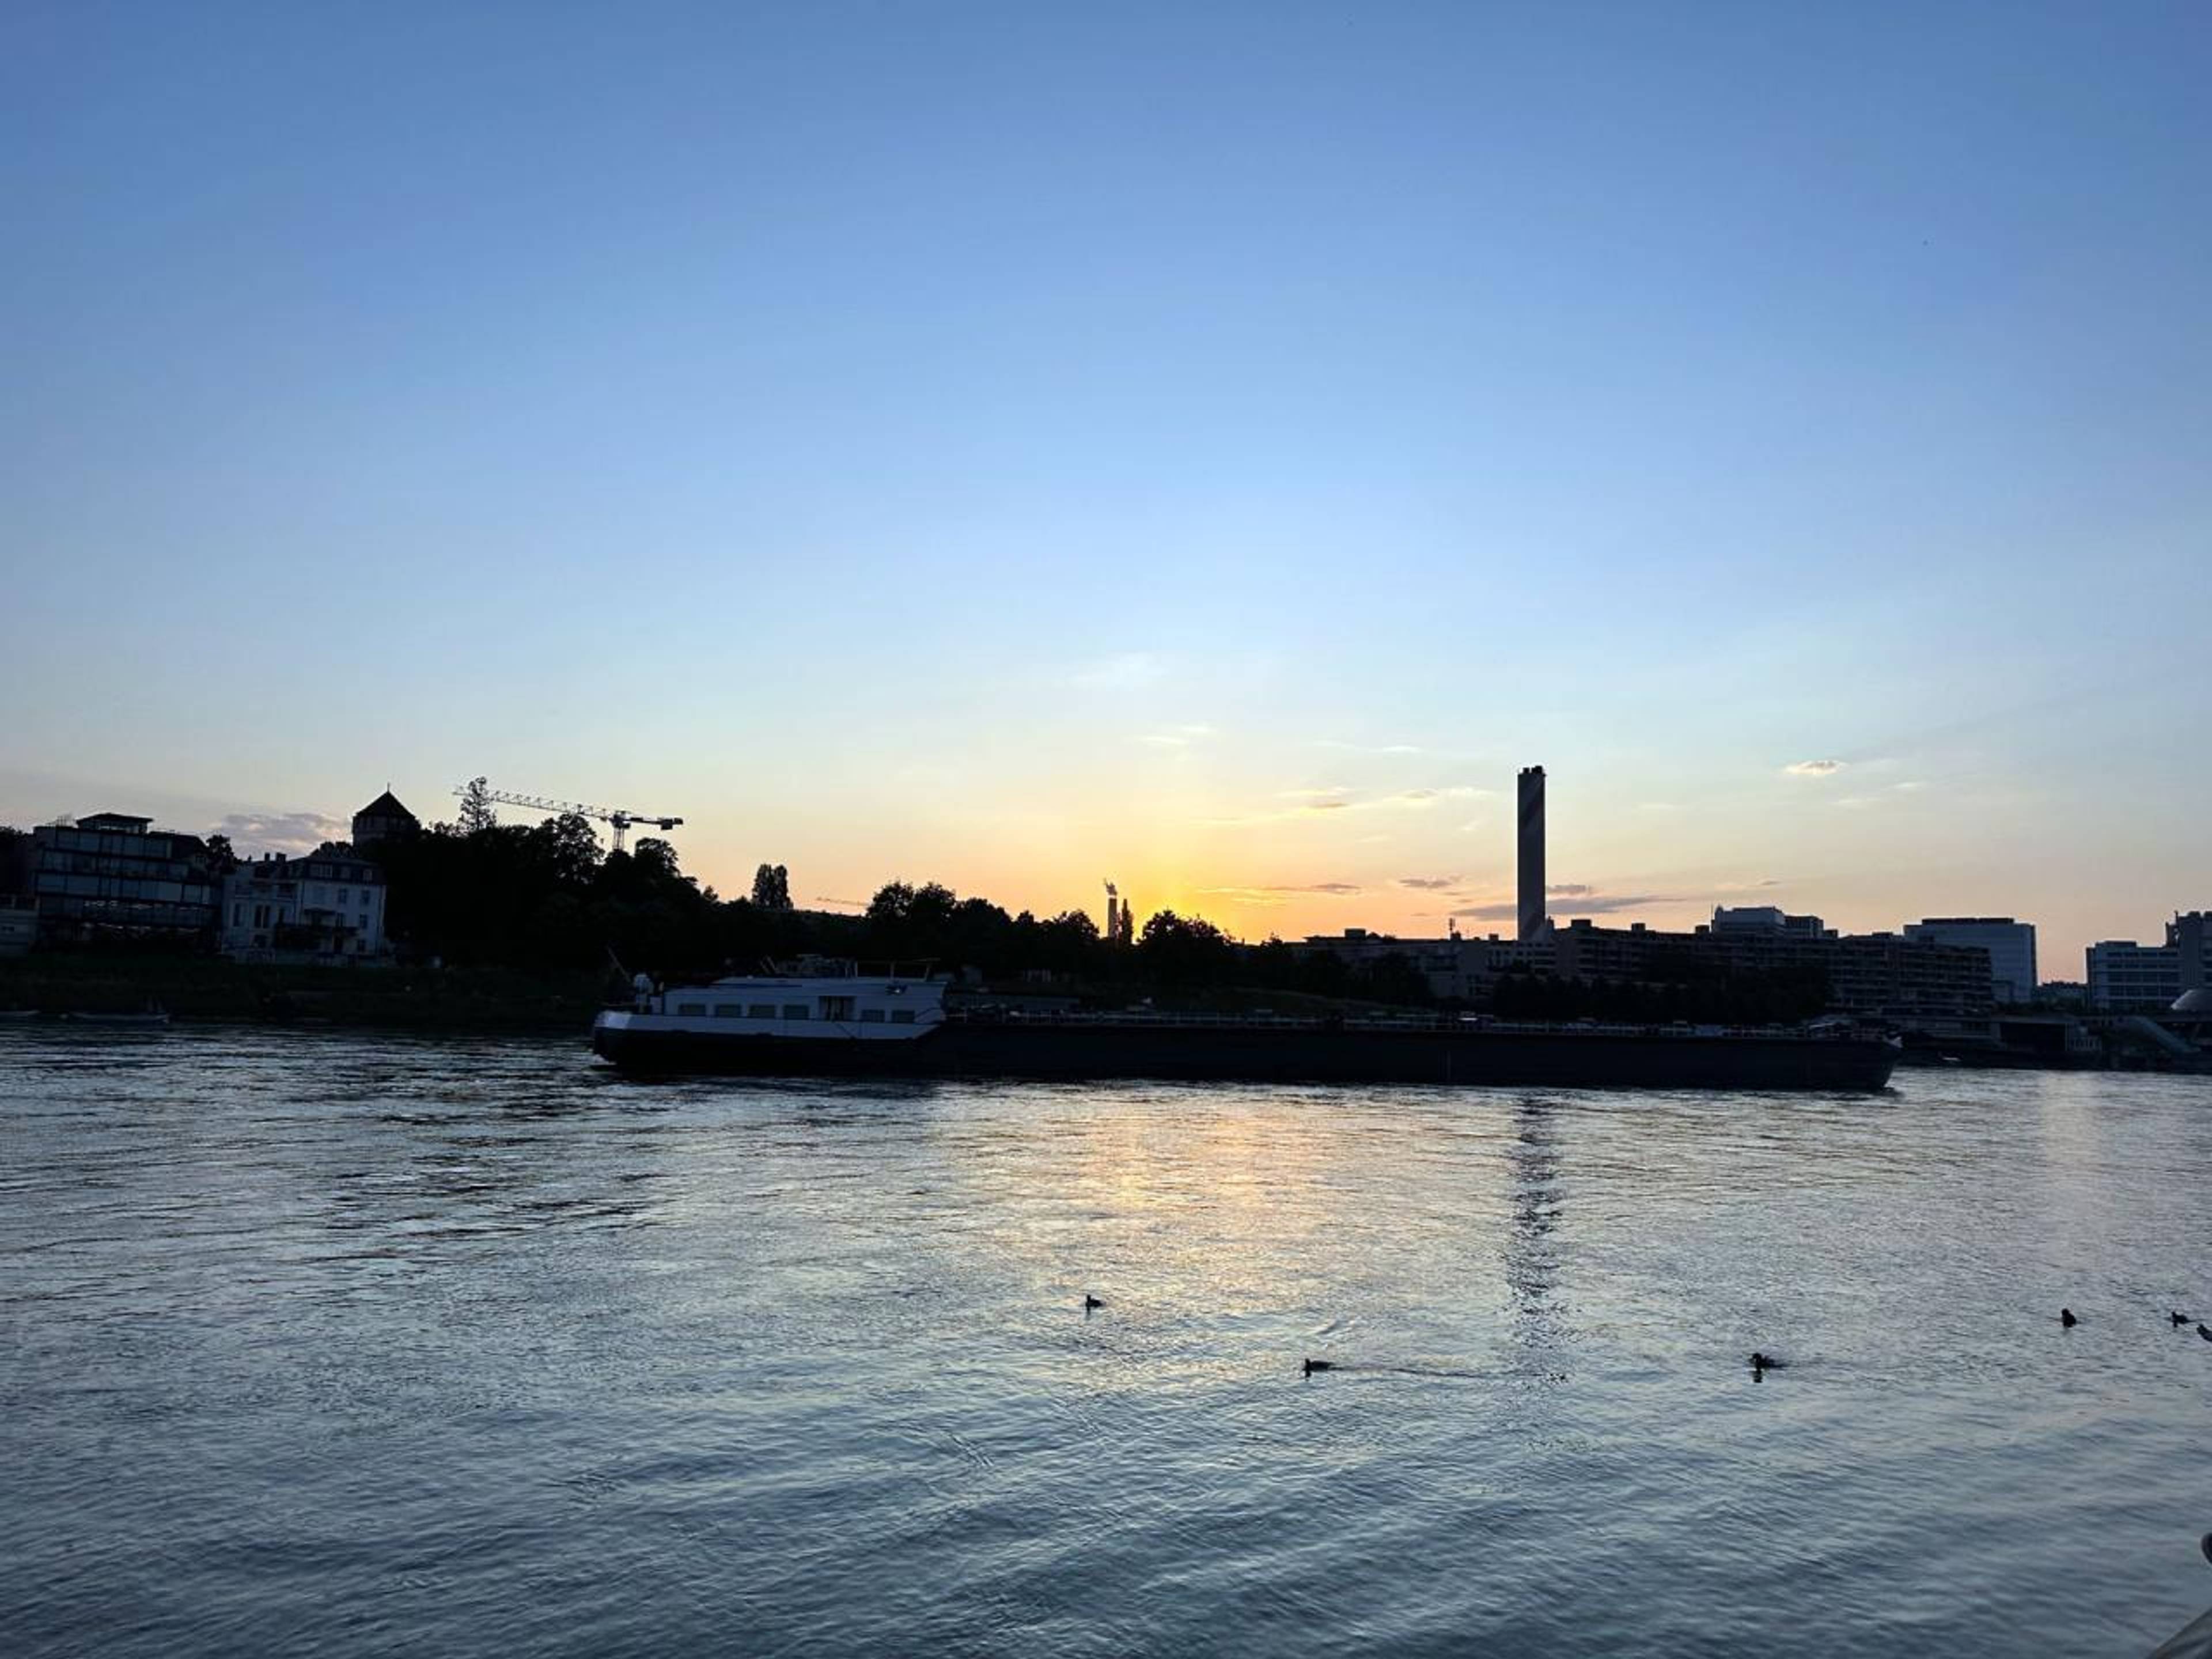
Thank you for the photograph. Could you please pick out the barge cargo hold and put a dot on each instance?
(887, 1026)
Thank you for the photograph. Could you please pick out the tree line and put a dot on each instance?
(548, 895)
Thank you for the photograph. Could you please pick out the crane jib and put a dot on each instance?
(619, 817)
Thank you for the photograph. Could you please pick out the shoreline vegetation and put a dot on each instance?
(536, 928)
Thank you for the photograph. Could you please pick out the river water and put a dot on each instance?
(333, 1345)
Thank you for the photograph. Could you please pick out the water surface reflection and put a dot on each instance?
(332, 1344)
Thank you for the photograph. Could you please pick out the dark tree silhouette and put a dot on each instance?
(569, 847)
(1185, 950)
(476, 807)
(772, 887)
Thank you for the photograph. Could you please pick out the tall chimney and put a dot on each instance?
(1532, 853)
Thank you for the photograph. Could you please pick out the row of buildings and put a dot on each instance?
(114, 876)
(1943, 967)
(1896, 976)
(1938, 970)
(2127, 977)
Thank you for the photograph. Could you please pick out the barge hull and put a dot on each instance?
(1105, 1050)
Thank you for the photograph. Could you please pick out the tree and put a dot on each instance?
(887, 910)
(476, 807)
(772, 887)
(221, 857)
(570, 848)
(1185, 950)
(656, 860)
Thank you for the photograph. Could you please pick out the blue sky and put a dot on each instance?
(1211, 447)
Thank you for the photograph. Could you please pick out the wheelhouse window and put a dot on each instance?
(901, 1016)
(794, 1011)
(694, 1008)
(871, 1016)
(761, 1011)
(729, 1011)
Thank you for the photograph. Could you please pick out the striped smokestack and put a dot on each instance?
(1532, 853)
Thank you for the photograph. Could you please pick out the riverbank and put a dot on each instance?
(214, 989)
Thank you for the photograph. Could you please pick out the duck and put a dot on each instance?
(1765, 1362)
(2180, 1320)
(1313, 1365)
(1090, 1302)
(2066, 1318)
(2202, 1332)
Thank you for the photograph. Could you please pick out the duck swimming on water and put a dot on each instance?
(2066, 1318)
(1765, 1362)
(1090, 1302)
(2180, 1320)
(1313, 1365)
(2202, 1332)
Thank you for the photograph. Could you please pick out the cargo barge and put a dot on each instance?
(888, 1025)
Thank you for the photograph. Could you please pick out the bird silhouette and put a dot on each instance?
(2178, 1319)
(1765, 1362)
(1313, 1365)
(2202, 1332)
(1090, 1302)
(2066, 1318)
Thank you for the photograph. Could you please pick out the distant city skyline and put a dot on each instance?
(1409, 906)
(1210, 449)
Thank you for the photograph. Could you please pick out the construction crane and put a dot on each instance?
(619, 817)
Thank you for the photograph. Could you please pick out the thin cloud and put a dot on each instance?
(1594, 905)
(1313, 803)
(1177, 737)
(1119, 673)
(1431, 883)
(282, 832)
(1371, 748)
(1578, 898)
(1280, 894)
(1814, 769)
(1890, 791)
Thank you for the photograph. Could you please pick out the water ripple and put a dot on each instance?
(319, 1343)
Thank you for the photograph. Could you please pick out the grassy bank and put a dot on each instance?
(205, 987)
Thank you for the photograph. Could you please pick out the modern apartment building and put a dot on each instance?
(111, 875)
(2011, 946)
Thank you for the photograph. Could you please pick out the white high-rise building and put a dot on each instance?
(2011, 946)
(2148, 978)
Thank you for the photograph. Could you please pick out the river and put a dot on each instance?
(332, 1344)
